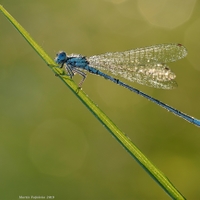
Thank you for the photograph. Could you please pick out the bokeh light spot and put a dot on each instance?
(166, 13)
(58, 147)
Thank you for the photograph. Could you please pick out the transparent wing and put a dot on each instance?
(143, 65)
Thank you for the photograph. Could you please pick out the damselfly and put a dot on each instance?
(142, 65)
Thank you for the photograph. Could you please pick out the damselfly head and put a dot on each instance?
(60, 57)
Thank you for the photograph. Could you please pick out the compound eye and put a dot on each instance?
(63, 54)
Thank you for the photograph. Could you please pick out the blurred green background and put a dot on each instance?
(50, 144)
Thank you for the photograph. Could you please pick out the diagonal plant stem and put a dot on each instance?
(156, 174)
